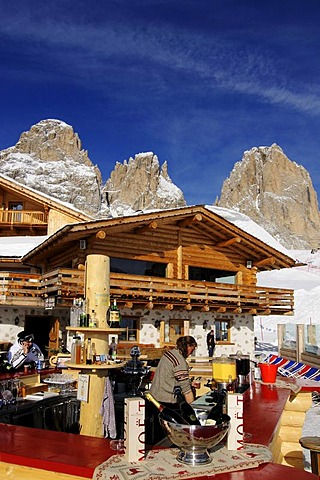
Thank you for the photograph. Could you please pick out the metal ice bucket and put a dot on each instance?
(195, 441)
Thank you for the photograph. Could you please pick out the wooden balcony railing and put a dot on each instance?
(155, 292)
(20, 289)
(22, 217)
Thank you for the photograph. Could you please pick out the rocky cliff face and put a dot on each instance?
(277, 193)
(141, 184)
(49, 158)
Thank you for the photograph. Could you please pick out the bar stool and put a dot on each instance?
(312, 444)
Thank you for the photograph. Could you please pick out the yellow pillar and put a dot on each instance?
(97, 287)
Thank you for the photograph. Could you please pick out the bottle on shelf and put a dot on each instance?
(216, 412)
(93, 320)
(73, 350)
(89, 352)
(186, 409)
(113, 315)
(76, 350)
(94, 353)
(166, 413)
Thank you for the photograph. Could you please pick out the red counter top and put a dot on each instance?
(80, 455)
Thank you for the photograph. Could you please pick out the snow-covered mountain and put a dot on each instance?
(277, 193)
(49, 158)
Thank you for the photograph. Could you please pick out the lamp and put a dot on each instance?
(249, 263)
(157, 323)
(205, 324)
(16, 320)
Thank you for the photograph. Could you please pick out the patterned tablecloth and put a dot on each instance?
(162, 464)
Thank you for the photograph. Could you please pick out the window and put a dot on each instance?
(173, 330)
(222, 331)
(132, 326)
(138, 267)
(211, 275)
(17, 206)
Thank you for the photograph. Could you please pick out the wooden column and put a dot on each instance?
(97, 287)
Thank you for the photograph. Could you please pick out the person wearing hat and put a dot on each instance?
(24, 351)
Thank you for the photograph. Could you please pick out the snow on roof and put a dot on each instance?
(246, 224)
(19, 246)
(16, 247)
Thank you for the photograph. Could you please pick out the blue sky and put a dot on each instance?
(197, 82)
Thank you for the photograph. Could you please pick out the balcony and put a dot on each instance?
(20, 289)
(134, 291)
(15, 218)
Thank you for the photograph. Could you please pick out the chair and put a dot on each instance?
(312, 444)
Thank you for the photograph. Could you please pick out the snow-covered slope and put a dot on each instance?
(305, 281)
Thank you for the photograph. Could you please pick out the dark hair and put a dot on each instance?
(183, 343)
(24, 336)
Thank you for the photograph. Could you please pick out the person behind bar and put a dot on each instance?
(24, 351)
(172, 370)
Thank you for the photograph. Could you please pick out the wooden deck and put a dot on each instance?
(139, 291)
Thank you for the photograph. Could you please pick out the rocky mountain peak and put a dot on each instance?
(141, 184)
(277, 193)
(49, 158)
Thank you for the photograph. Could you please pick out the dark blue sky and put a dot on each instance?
(197, 82)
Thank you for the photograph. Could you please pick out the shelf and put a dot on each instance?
(96, 330)
(94, 366)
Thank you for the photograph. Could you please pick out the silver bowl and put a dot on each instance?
(195, 441)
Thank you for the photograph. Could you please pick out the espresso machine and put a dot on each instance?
(243, 368)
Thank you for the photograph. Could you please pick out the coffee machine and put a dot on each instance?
(243, 368)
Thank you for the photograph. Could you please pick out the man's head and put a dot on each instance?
(25, 337)
(186, 345)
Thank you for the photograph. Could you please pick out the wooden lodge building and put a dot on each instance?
(172, 272)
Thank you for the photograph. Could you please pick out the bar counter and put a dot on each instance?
(29, 453)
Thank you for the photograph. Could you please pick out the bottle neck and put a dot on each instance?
(155, 402)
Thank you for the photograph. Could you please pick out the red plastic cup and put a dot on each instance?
(268, 372)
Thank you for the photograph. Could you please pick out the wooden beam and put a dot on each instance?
(222, 309)
(101, 234)
(265, 261)
(147, 228)
(190, 220)
(226, 243)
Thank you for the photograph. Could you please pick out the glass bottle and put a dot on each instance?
(89, 352)
(217, 411)
(186, 409)
(114, 316)
(166, 413)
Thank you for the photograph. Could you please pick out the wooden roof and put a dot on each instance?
(25, 191)
(223, 233)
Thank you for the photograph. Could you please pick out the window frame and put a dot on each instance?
(137, 329)
(220, 332)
